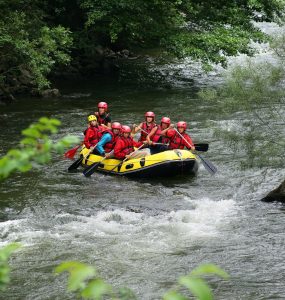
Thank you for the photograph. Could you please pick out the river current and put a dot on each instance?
(142, 234)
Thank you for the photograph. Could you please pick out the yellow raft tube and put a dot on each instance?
(164, 164)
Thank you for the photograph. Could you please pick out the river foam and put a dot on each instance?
(153, 231)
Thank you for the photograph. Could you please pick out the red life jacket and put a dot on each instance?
(157, 137)
(123, 147)
(101, 119)
(148, 129)
(92, 137)
(176, 142)
(110, 145)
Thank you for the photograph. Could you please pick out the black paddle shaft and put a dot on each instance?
(76, 164)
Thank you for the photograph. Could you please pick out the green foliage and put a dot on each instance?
(29, 49)
(35, 148)
(196, 284)
(84, 280)
(35, 36)
(5, 253)
(256, 89)
(203, 30)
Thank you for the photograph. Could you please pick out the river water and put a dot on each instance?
(139, 234)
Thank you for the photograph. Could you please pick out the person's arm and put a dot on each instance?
(105, 126)
(136, 129)
(118, 149)
(170, 133)
(108, 120)
(137, 144)
(103, 141)
(86, 139)
(188, 142)
(163, 132)
(151, 134)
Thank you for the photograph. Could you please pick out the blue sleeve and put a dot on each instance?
(106, 138)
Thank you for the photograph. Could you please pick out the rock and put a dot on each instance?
(276, 195)
(99, 50)
(50, 93)
(24, 80)
(125, 53)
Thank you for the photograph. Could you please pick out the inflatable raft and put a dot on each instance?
(165, 164)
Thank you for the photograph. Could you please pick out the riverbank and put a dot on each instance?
(103, 61)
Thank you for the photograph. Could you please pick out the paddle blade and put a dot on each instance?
(202, 147)
(71, 153)
(91, 169)
(76, 164)
(208, 165)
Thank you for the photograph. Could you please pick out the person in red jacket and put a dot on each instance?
(93, 133)
(125, 144)
(108, 140)
(179, 139)
(146, 126)
(157, 135)
(103, 117)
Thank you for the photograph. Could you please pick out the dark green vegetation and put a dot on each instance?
(37, 36)
(35, 148)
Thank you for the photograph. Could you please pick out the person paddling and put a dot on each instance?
(108, 140)
(176, 140)
(146, 126)
(93, 133)
(103, 117)
(125, 146)
(156, 138)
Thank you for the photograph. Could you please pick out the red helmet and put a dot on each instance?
(181, 124)
(125, 129)
(165, 120)
(116, 125)
(149, 114)
(103, 105)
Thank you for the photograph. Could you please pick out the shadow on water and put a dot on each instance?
(169, 182)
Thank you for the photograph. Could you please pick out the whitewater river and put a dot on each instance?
(139, 234)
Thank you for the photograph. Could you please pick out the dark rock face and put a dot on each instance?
(276, 195)
(50, 93)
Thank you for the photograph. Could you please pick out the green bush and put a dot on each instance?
(35, 148)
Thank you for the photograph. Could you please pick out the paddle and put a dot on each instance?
(91, 169)
(71, 153)
(77, 163)
(207, 164)
(203, 147)
(141, 129)
(126, 158)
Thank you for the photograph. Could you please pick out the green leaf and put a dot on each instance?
(28, 141)
(79, 272)
(55, 122)
(197, 286)
(209, 269)
(173, 295)
(31, 132)
(96, 289)
(6, 251)
(126, 294)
